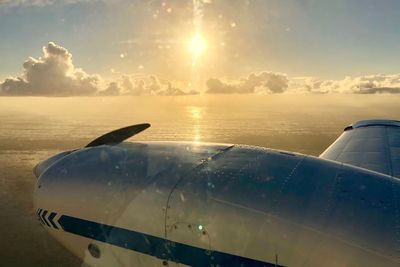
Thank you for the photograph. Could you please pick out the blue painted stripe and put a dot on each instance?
(154, 246)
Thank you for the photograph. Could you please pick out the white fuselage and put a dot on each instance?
(199, 204)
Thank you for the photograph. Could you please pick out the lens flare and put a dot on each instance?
(197, 46)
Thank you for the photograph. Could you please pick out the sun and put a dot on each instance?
(197, 46)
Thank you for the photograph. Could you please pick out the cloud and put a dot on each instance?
(174, 91)
(51, 74)
(216, 86)
(369, 84)
(264, 82)
(113, 89)
(149, 85)
(54, 74)
(380, 90)
(273, 82)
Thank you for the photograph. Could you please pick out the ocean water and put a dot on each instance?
(33, 128)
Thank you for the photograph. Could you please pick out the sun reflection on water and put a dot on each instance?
(196, 115)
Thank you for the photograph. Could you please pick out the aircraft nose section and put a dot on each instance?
(45, 164)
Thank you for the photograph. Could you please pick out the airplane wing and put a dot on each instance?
(369, 144)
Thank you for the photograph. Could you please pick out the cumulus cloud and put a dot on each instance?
(264, 82)
(149, 85)
(51, 74)
(174, 91)
(272, 82)
(54, 74)
(369, 84)
(380, 90)
(216, 86)
(113, 89)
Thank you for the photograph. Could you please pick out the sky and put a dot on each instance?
(309, 42)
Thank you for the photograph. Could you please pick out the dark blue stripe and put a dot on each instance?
(154, 246)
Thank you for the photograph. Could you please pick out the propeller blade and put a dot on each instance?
(118, 136)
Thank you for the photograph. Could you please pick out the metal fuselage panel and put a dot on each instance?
(373, 145)
(200, 204)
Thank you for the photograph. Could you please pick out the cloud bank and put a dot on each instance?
(274, 82)
(369, 84)
(54, 74)
(150, 85)
(264, 82)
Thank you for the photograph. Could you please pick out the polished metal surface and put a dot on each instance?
(373, 145)
(206, 204)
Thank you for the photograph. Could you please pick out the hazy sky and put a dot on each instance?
(326, 39)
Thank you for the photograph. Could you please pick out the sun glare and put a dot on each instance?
(197, 46)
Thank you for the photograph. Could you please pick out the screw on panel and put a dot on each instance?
(94, 250)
